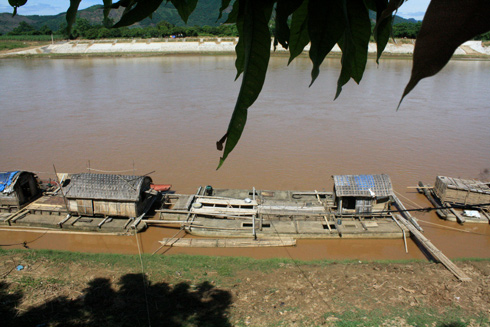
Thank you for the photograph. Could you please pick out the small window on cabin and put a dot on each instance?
(349, 202)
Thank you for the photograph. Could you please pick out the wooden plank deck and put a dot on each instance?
(223, 211)
(227, 202)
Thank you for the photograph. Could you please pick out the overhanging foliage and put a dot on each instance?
(322, 23)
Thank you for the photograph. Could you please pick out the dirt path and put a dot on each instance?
(217, 292)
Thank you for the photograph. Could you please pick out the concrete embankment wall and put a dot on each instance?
(204, 46)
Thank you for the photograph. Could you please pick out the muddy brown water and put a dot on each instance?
(165, 114)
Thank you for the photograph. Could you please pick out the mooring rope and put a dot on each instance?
(168, 240)
(452, 228)
(299, 268)
(413, 202)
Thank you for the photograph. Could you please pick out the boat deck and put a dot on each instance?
(49, 211)
(246, 213)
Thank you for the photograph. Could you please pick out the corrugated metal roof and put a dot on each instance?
(362, 185)
(105, 187)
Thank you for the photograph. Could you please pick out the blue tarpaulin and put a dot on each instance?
(6, 179)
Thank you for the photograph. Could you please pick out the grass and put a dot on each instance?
(35, 38)
(223, 272)
(9, 45)
(395, 316)
(223, 265)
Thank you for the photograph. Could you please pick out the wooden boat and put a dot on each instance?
(461, 200)
(359, 207)
(161, 187)
(227, 242)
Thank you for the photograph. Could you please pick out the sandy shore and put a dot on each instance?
(201, 46)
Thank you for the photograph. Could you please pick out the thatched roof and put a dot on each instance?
(106, 187)
(362, 185)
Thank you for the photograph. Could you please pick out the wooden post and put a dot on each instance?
(403, 231)
(61, 189)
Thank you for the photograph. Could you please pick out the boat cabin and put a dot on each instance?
(461, 191)
(362, 194)
(107, 195)
(17, 188)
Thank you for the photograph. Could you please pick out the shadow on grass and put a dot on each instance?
(131, 305)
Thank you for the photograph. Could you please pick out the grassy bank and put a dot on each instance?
(6, 45)
(77, 289)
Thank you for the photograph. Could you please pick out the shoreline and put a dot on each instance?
(471, 50)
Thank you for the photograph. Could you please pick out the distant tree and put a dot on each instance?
(81, 27)
(23, 29)
(407, 30)
(483, 37)
(104, 33)
(151, 31)
(45, 30)
(192, 31)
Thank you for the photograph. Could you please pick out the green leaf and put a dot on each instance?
(240, 46)
(326, 23)
(107, 8)
(224, 4)
(233, 15)
(124, 3)
(16, 4)
(382, 30)
(392, 6)
(140, 11)
(355, 43)
(71, 15)
(284, 9)
(184, 8)
(446, 25)
(257, 43)
(299, 37)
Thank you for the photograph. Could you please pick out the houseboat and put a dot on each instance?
(461, 200)
(360, 206)
(91, 202)
(17, 189)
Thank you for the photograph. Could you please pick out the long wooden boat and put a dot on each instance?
(227, 242)
(361, 206)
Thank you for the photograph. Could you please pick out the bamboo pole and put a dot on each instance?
(435, 252)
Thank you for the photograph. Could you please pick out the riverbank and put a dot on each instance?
(63, 288)
(116, 47)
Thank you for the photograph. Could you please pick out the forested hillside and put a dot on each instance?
(205, 14)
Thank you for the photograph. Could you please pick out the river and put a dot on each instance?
(165, 114)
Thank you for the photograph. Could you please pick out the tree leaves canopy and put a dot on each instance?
(446, 25)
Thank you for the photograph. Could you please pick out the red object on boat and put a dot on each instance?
(161, 187)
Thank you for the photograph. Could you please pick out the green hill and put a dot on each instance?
(206, 13)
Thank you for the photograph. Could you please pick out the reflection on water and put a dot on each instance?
(166, 114)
